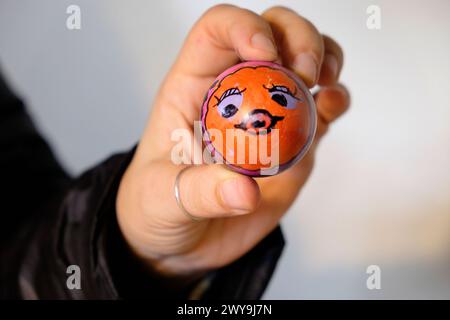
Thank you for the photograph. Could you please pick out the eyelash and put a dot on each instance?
(229, 92)
(281, 89)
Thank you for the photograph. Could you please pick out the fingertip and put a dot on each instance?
(252, 37)
(305, 64)
(258, 46)
(264, 43)
(332, 101)
(239, 193)
(301, 45)
(340, 94)
(250, 188)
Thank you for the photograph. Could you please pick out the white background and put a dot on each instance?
(380, 190)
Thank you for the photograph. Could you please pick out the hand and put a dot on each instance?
(239, 211)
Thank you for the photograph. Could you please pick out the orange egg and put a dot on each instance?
(258, 118)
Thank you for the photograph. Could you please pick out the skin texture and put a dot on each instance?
(238, 211)
(253, 88)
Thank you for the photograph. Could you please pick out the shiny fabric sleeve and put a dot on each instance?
(51, 222)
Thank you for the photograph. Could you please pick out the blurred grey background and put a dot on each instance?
(380, 191)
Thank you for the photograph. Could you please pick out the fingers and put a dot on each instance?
(331, 103)
(222, 35)
(332, 62)
(301, 45)
(206, 191)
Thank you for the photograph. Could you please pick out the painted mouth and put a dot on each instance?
(259, 121)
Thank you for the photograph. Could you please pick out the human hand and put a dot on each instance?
(238, 211)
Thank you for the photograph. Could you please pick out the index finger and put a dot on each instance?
(222, 36)
(301, 44)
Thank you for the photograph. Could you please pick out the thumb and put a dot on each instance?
(205, 191)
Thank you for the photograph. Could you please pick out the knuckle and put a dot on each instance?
(219, 9)
(332, 46)
(279, 9)
(235, 16)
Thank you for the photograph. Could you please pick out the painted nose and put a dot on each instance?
(259, 120)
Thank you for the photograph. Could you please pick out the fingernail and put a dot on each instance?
(331, 63)
(305, 65)
(262, 42)
(232, 197)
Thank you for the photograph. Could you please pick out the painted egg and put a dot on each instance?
(258, 118)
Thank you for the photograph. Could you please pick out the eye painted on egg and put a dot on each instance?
(230, 102)
(283, 96)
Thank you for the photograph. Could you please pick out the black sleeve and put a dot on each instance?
(54, 222)
(30, 175)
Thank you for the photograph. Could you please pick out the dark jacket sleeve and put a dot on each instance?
(51, 222)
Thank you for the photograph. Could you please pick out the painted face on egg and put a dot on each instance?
(259, 118)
